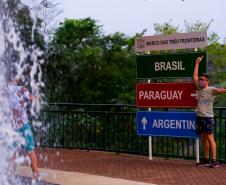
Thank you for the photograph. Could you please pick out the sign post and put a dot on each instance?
(150, 147)
(149, 141)
(197, 149)
(197, 139)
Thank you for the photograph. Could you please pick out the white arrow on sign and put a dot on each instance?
(195, 94)
(144, 122)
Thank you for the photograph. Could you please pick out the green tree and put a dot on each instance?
(72, 52)
(114, 81)
(84, 65)
(217, 57)
(165, 28)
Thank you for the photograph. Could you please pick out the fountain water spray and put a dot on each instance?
(22, 60)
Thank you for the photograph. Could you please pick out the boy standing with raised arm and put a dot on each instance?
(205, 115)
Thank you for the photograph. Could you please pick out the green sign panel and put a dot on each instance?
(169, 65)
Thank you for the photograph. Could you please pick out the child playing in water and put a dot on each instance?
(19, 96)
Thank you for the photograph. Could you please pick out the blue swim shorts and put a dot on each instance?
(27, 135)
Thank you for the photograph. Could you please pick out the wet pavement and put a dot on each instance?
(28, 181)
(130, 168)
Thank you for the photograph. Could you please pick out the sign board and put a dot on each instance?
(169, 65)
(177, 95)
(172, 124)
(171, 42)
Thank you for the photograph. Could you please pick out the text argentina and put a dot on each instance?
(174, 124)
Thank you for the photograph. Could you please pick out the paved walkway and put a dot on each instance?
(99, 168)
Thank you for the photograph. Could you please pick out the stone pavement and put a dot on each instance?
(114, 166)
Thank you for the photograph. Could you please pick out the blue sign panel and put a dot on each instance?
(172, 124)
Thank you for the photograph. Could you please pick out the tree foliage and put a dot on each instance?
(217, 68)
(165, 28)
(84, 65)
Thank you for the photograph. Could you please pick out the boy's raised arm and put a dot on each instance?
(196, 70)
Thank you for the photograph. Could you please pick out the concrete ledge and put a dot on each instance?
(73, 178)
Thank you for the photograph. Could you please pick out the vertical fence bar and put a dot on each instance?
(68, 124)
(129, 122)
(59, 129)
(104, 130)
(123, 136)
(115, 132)
(63, 129)
(220, 133)
(95, 132)
(76, 131)
(86, 131)
(224, 139)
(188, 147)
(80, 117)
(55, 143)
(109, 132)
(47, 133)
(167, 146)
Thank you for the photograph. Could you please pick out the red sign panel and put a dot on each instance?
(166, 95)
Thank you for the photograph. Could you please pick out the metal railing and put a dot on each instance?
(75, 126)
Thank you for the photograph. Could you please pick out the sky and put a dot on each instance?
(132, 16)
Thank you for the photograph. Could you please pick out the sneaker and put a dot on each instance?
(203, 162)
(214, 164)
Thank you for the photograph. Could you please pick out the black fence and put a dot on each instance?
(113, 128)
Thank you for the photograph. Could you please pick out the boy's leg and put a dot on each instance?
(210, 137)
(30, 149)
(34, 163)
(201, 130)
(213, 147)
(203, 137)
(204, 161)
(205, 143)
